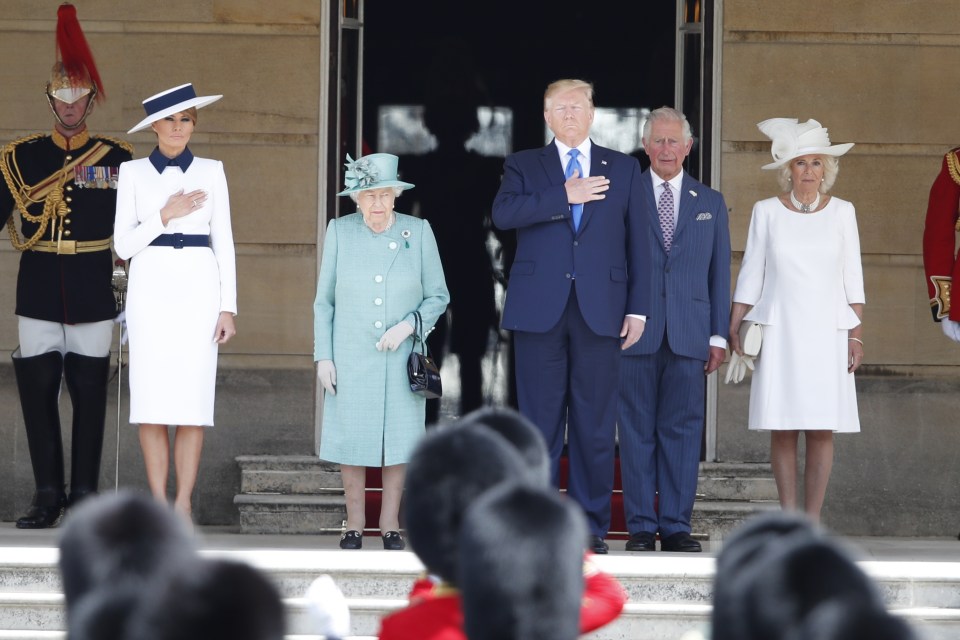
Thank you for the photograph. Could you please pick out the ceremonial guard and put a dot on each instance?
(939, 244)
(63, 186)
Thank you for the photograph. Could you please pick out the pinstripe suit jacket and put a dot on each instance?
(690, 286)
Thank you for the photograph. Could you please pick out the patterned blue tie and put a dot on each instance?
(665, 213)
(574, 165)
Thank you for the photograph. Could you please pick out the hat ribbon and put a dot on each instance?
(168, 100)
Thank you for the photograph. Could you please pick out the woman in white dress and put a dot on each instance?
(173, 223)
(801, 278)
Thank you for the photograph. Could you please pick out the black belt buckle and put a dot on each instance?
(177, 241)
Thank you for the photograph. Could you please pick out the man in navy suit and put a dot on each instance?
(662, 377)
(579, 289)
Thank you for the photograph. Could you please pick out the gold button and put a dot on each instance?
(69, 187)
(69, 157)
(67, 232)
(66, 221)
(69, 199)
(69, 210)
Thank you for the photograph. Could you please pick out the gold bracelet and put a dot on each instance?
(857, 339)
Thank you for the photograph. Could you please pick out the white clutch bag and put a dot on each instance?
(751, 339)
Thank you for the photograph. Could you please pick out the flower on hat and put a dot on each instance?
(360, 173)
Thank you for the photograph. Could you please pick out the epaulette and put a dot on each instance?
(123, 144)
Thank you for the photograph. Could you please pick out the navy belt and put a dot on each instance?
(180, 240)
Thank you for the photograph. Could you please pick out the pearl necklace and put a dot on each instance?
(393, 218)
(805, 208)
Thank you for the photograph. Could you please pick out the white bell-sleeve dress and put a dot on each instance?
(801, 272)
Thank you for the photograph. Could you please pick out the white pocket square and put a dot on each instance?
(704, 215)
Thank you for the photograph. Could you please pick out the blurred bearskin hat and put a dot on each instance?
(521, 565)
(521, 433)
(74, 73)
(120, 539)
(214, 600)
(781, 577)
(450, 467)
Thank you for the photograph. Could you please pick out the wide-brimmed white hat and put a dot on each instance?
(792, 140)
(166, 103)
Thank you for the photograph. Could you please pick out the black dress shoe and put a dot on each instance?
(597, 545)
(680, 541)
(38, 517)
(643, 541)
(393, 541)
(351, 540)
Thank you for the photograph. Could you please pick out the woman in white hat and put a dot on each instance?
(173, 223)
(801, 278)
(379, 268)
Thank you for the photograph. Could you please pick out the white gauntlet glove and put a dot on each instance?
(327, 374)
(737, 368)
(395, 335)
(327, 609)
(951, 329)
(121, 320)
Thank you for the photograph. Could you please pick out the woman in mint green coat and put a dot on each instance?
(378, 268)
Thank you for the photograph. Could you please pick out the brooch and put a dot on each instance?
(405, 234)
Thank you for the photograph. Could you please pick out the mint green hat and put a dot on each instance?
(372, 171)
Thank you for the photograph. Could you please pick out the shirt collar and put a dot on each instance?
(161, 162)
(583, 148)
(676, 182)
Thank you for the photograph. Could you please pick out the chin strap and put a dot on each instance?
(86, 112)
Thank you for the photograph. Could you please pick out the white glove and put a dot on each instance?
(951, 329)
(328, 609)
(737, 368)
(395, 335)
(121, 320)
(327, 374)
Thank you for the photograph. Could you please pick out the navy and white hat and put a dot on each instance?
(166, 103)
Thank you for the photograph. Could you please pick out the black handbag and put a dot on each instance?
(421, 369)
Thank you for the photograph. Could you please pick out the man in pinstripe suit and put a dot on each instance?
(662, 383)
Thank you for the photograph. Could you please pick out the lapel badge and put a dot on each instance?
(704, 215)
(603, 162)
(693, 193)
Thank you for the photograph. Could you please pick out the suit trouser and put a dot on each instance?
(662, 398)
(567, 382)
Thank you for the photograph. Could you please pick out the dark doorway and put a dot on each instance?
(626, 49)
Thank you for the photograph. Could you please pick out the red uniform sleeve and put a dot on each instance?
(939, 238)
(603, 598)
(433, 614)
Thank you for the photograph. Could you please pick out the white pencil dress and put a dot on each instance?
(174, 296)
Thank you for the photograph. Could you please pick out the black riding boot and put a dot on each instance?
(86, 378)
(38, 379)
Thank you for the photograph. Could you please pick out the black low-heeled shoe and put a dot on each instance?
(393, 541)
(351, 540)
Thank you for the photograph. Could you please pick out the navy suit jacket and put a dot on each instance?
(690, 286)
(607, 259)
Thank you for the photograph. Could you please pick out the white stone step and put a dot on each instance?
(290, 514)
(670, 594)
(288, 475)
